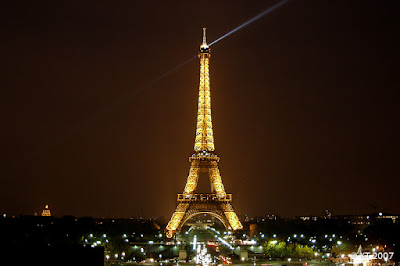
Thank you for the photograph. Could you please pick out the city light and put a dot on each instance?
(194, 242)
(202, 257)
(225, 243)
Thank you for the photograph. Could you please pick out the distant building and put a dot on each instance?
(307, 218)
(360, 219)
(272, 217)
(259, 219)
(368, 218)
(387, 217)
(46, 211)
(327, 214)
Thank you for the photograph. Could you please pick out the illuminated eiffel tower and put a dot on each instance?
(218, 202)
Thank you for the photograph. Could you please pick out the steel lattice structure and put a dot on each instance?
(218, 202)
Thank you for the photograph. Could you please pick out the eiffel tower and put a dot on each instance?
(218, 202)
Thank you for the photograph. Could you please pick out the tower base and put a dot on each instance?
(191, 205)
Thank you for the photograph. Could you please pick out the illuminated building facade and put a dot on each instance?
(218, 202)
(46, 211)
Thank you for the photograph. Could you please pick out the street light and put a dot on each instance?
(339, 243)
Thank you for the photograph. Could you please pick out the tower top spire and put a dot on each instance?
(204, 46)
(204, 133)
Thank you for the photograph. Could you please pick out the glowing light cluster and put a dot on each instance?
(204, 133)
(233, 220)
(175, 221)
(202, 257)
(46, 211)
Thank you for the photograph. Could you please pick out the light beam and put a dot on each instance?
(127, 98)
(265, 12)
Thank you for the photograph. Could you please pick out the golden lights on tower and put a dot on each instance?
(218, 202)
(204, 133)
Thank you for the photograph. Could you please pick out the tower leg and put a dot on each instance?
(193, 177)
(176, 219)
(231, 216)
(215, 179)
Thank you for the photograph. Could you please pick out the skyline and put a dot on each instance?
(303, 104)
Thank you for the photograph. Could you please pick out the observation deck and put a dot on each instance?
(204, 156)
(204, 198)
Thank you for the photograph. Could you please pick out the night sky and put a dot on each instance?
(304, 104)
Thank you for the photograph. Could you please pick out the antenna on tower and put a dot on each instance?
(204, 44)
